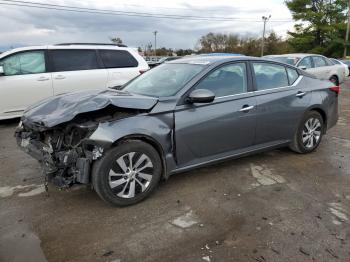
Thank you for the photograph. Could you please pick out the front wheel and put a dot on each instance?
(309, 133)
(128, 173)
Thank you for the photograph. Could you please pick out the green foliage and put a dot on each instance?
(231, 43)
(322, 28)
(116, 40)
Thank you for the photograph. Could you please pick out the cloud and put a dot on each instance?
(28, 26)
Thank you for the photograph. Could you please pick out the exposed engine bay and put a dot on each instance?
(65, 151)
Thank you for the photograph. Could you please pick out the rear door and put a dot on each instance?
(281, 102)
(213, 130)
(121, 66)
(25, 81)
(76, 69)
(321, 68)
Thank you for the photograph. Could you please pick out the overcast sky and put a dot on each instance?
(20, 26)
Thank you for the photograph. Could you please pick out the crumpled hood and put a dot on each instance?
(63, 108)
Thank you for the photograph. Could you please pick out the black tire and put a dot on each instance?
(297, 144)
(334, 80)
(101, 178)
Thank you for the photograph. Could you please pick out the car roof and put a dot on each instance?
(207, 60)
(66, 46)
(301, 55)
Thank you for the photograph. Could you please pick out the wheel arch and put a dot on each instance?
(323, 115)
(149, 140)
(334, 74)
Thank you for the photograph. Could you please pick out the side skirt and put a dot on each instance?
(229, 156)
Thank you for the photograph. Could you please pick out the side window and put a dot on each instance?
(319, 61)
(227, 80)
(292, 75)
(270, 76)
(329, 62)
(31, 62)
(117, 59)
(306, 61)
(73, 60)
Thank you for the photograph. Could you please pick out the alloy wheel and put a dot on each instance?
(131, 175)
(311, 133)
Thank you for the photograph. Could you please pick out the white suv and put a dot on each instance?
(30, 74)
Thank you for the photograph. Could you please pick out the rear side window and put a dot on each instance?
(270, 76)
(73, 60)
(319, 61)
(117, 59)
(31, 62)
(292, 75)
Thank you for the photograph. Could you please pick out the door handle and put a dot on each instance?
(300, 94)
(246, 108)
(60, 77)
(43, 78)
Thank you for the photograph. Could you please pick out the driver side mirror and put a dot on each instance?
(2, 71)
(302, 67)
(201, 96)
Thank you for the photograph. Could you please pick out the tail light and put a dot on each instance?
(335, 89)
(142, 71)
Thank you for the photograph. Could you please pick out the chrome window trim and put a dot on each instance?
(296, 82)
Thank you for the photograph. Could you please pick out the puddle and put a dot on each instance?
(265, 176)
(20, 244)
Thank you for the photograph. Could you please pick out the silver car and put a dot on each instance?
(317, 65)
(179, 116)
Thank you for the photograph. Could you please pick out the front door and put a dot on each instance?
(25, 82)
(213, 130)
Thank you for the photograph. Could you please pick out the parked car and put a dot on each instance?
(339, 62)
(176, 117)
(317, 65)
(163, 60)
(30, 74)
(346, 62)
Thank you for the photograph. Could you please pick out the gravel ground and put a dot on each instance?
(274, 206)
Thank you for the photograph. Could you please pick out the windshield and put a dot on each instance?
(164, 80)
(284, 59)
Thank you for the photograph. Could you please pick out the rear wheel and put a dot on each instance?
(334, 80)
(309, 133)
(128, 173)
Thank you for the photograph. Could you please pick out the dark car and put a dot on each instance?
(179, 116)
(163, 60)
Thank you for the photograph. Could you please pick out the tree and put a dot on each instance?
(116, 40)
(183, 52)
(321, 27)
(231, 43)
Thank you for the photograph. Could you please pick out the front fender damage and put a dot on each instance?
(65, 151)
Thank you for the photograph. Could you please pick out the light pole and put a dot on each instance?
(347, 32)
(155, 42)
(265, 19)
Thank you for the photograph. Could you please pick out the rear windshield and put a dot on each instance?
(163, 80)
(284, 59)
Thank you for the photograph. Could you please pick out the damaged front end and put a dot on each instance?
(64, 150)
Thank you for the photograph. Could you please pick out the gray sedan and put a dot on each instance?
(179, 116)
